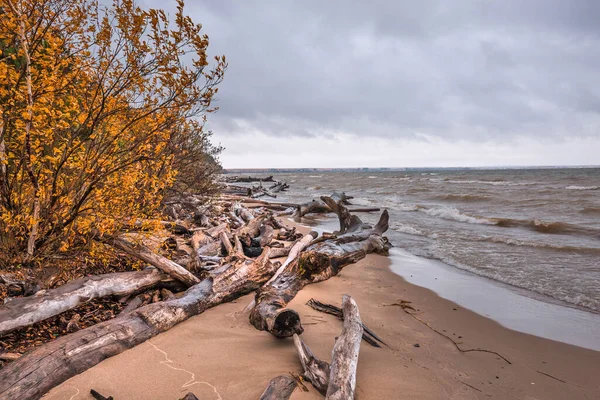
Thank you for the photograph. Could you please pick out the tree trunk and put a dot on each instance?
(344, 358)
(47, 366)
(26, 311)
(142, 252)
(320, 261)
(280, 388)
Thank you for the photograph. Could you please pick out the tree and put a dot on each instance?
(100, 108)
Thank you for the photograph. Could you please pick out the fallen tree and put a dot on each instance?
(344, 358)
(26, 311)
(336, 380)
(318, 262)
(40, 370)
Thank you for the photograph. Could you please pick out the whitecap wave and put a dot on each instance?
(575, 187)
(411, 230)
(452, 213)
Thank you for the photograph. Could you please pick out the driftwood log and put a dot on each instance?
(318, 262)
(315, 370)
(344, 358)
(249, 179)
(279, 388)
(26, 311)
(142, 252)
(47, 366)
(319, 206)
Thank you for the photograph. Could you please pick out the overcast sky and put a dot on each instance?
(405, 83)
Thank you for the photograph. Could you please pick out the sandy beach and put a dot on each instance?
(219, 355)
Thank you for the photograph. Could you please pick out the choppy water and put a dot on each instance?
(534, 229)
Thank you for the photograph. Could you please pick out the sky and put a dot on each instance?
(430, 83)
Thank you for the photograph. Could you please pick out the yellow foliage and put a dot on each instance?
(115, 92)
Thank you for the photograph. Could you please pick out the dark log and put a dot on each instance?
(98, 396)
(248, 179)
(190, 396)
(142, 252)
(368, 335)
(364, 209)
(318, 262)
(280, 388)
(49, 365)
(315, 370)
(26, 311)
(344, 358)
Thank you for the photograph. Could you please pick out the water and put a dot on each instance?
(538, 230)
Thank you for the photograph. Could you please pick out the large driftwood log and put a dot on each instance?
(319, 206)
(249, 179)
(320, 261)
(280, 388)
(164, 264)
(25, 311)
(344, 358)
(47, 366)
(315, 370)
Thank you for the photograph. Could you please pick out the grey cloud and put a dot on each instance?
(455, 69)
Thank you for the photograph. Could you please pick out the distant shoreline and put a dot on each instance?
(403, 169)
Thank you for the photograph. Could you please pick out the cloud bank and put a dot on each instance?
(432, 82)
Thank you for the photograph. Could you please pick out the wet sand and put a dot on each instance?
(219, 355)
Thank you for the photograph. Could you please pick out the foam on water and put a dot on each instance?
(574, 187)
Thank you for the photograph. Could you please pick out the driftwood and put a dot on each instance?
(26, 311)
(368, 335)
(47, 366)
(344, 358)
(320, 261)
(319, 206)
(98, 396)
(248, 179)
(315, 370)
(278, 187)
(279, 388)
(142, 252)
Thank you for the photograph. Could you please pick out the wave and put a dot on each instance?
(523, 243)
(590, 210)
(563, 228)
(411, 230)
(463, 197)
(574, 187)
(454, 214)
(315, 176)
(448, 213)
(493, 183)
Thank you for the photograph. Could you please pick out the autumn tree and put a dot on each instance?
(100, 108)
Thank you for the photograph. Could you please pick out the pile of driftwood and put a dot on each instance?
(216, 254)
(254, 191)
